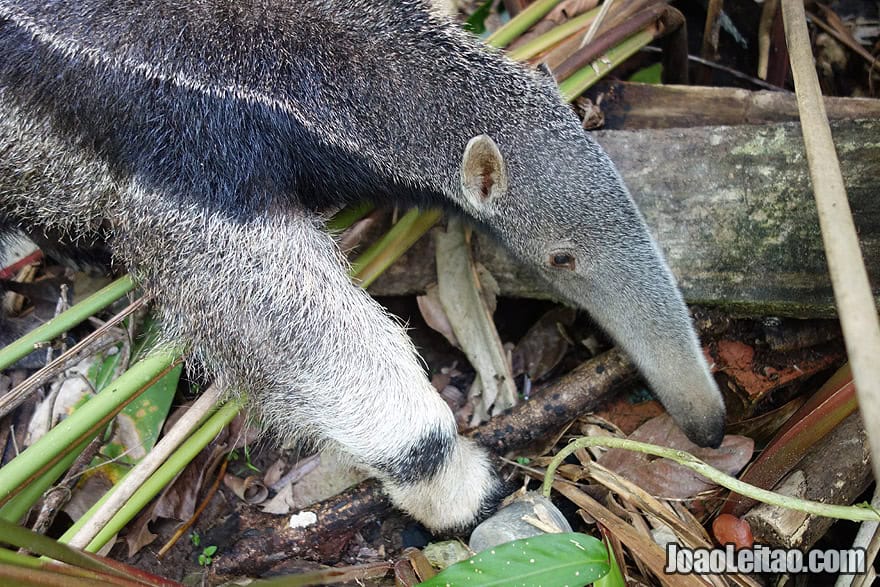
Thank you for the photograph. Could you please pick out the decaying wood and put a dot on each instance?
(837, 470)
(578, 392)
(267, 539)
(731, 207)
(630, 106)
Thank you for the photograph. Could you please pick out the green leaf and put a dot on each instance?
(102, 372)
(476, 23)
(648, 75)
(614, 578)
(547, 560)
(139, 425)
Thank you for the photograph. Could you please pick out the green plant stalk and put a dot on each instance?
(583, 79)
(83, 423)
(553, 36)
(12, 576)
(854, 513)
(381, 254)
(825, 409)
(522, 22)
(48, 547)
(78, 569)
(14, 509)
(49, 574)
(348, 216)
(614, 578)
(65, 321)
(158, 480)
(88, 525)
(8, 557)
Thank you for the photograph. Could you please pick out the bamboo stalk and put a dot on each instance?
(65, 321)
(45, 453)
(553, 36)
(521, 23)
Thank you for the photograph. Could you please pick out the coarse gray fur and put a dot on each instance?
(200, 136)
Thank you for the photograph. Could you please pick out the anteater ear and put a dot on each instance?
(483, 173)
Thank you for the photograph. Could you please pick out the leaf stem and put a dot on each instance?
(854, 513)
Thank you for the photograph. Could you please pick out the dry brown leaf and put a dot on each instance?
(434, 315)
(138, 534)
(665, 478)
(543, 346)
(464, 297)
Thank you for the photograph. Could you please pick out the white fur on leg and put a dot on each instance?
(456, 496)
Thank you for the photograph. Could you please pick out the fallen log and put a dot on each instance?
(732, 209)
(629, 106)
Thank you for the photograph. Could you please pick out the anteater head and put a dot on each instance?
(557, 202)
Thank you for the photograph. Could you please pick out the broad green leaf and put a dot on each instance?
(476, 22)
(648, 75)
(548, 560)
(139, 424)
(615, 577)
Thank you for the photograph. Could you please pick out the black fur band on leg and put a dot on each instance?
(422, 460)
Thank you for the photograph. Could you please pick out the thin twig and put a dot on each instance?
(597, 22)
(728, 70)
(192, 519)
(57, 497)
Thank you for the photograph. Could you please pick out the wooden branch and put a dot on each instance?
(630, 106)
(578, 392)
(732, 209)
(267, 539)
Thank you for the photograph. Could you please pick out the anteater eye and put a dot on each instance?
(562, 260)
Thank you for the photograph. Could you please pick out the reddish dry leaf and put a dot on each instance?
(139, 534)
(737, 360)
(732, 530)
(666, 479)
(543, 346)
(352, 237)
(434, 315)
(628, 416)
